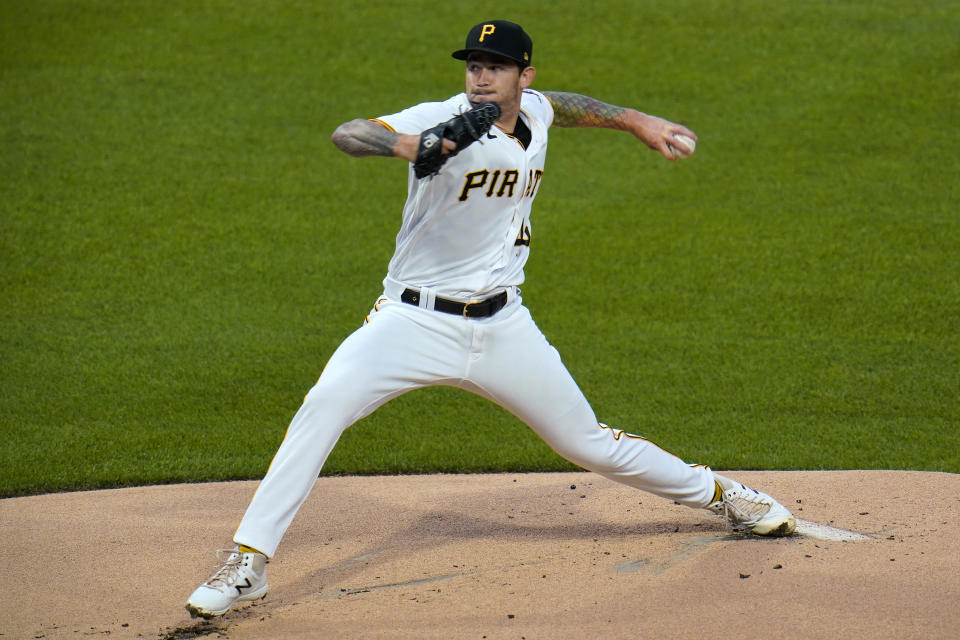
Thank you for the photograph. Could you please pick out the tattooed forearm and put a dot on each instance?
(575, 110)
(364, 138)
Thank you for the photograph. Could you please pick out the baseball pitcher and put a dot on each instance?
(451, 312)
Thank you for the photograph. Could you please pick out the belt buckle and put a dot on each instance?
(466, 305)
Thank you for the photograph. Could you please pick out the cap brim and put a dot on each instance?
(463, 54)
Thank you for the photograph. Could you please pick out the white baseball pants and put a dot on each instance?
(504, 358)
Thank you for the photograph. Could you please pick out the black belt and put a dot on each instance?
(482, 309)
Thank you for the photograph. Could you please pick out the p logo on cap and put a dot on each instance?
(487, 30)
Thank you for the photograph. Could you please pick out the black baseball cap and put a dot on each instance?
(501, 38)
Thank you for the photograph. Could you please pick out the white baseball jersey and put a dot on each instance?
(466, 230)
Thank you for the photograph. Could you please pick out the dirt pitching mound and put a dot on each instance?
(535, 556)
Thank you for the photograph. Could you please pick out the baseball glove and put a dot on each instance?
(463, 129)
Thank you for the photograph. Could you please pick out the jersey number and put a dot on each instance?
(523, 239)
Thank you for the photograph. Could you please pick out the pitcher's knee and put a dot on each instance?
(325, 405)
(609, 451)
(592, 452)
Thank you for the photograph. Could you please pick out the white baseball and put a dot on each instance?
(682, 145)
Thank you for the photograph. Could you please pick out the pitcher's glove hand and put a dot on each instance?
(463, 130)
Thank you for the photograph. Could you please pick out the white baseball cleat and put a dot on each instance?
(752, 510)
(243, 576)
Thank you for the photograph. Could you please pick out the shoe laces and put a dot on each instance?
(230, 560)
(743, 505)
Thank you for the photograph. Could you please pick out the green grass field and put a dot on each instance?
(182, 248)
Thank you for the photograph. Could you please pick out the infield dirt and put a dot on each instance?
(534, 556)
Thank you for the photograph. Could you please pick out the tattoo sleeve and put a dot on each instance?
(575, 110)
(361, 138)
